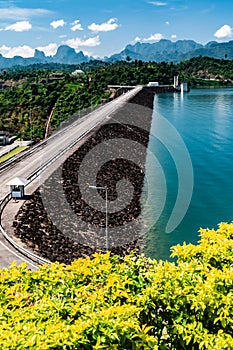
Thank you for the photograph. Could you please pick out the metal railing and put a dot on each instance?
(16, 246)
(84, 114)
(32, 177)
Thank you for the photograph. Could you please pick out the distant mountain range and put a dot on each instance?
(64, 54)
(168, 51)
(163, 50)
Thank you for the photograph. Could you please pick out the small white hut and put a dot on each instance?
(17, 187)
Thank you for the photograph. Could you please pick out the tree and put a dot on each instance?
(110, 302)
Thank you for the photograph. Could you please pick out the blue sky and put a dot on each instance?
(104, 27)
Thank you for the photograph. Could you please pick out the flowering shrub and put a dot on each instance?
(132, 303)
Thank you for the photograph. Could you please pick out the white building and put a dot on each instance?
(77, 72)
(153, 83)
(184, 87)
(176, 81)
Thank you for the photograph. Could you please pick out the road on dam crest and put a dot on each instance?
(48, 151)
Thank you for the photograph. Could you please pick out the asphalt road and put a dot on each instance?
(55, 145)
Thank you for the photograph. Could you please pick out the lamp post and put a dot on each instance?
(106, 211)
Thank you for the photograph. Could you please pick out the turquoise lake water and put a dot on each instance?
(199, 125)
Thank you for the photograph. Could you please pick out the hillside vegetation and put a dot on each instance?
(133, 303)
(27, 103)
(30, 94)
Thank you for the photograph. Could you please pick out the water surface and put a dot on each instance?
(204, 120)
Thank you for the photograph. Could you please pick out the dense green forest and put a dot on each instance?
(25, 106)
(29, 94)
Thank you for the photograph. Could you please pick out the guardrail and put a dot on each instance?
(16, 246)
(4, 202)
(32, 177)
(80, 115)
(26, 153)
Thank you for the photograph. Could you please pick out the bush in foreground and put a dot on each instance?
(131, 303)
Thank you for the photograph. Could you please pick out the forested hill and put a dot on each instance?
(168, 51)
(29, 94)
(163, 50)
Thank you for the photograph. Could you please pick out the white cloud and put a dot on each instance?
(49, 50)
(76, 26)
(104, 27)
(167, 23)
(154, 37)
(16, 13)
(19, 26)
(137, 39)
(77, 42)
(24, 51)
(224, 31)
(88, 53)
(173, 36)
(157, 3)
(58, 23)
(27, 51)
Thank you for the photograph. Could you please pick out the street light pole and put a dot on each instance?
(106, 212)
(106, 218)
